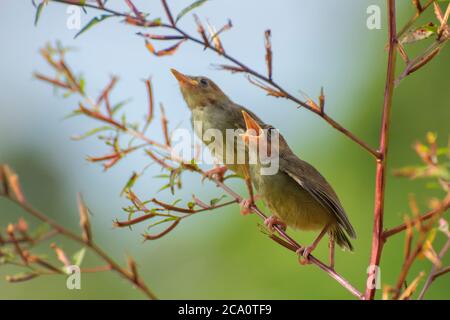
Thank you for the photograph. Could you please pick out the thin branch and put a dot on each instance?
(377, 237)
(172, 26)
(168, 13)
(445, 205)
(410, 23)
(91, 245)
(435, 271)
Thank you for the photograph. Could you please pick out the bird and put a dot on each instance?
(297, 194)
(211, 107)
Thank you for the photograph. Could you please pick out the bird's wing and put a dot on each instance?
(312, 181)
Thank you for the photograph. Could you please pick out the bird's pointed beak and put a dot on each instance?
(253, 128)
(183, 79)
(251, 123)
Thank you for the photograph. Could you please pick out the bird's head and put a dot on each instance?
(259, 141)
(199, 91)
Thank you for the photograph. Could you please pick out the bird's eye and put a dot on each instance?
(204, 82)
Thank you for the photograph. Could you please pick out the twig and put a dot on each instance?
(435, 271)
(168, 13)
(172, 26)
(91, 245)
(431, 214)
(377, 237)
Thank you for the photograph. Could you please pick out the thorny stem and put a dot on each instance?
(380, 180)
(91, 245)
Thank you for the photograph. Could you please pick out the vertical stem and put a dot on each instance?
(168, 13)
(380, 180)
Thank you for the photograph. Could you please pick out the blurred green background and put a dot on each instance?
(219, 254)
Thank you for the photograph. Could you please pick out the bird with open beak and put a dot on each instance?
(212, 109)
(297, 194)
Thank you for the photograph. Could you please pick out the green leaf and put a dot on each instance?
(164, 187)
(215, 201)
(186, 10)
(118, 106)
(175, 202)
(442, 151)
(82, 84)
(38, 12)
(92, 132)
(130, 183)
(6, 256)
(40, 230)
(73, 114)
(162, 221)
(418, 34)
(79, 256)
(93, 22)
(160, 176)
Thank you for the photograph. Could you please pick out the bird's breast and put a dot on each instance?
(291, 203)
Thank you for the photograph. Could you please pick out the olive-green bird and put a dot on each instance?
(214, 110)
(298, 195)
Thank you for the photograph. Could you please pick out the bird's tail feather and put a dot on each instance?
(341, 238)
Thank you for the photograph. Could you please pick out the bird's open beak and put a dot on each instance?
(183, 79)
(250, 123)
(253, 129)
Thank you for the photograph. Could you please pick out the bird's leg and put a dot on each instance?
(218, 171)
(304, 253)
(272, 221)
(246, 204)
(331, 246)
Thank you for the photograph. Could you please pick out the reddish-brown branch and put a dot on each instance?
(163, 233)
(55, 82)
(445, 205)
(435, 271)
(136, 12)
(442, 272)
(95, 248)
(284, 93)
(168, 12)
(172, 26)
(409, 24)
(379, 155)
(380, 180)
(148, 85)
(188, 212)
(291, 244)
(405, 269)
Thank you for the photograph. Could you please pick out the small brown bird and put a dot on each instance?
(298, 195)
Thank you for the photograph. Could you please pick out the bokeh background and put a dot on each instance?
(219, 254)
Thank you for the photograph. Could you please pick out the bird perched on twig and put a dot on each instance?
(297, 194)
